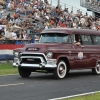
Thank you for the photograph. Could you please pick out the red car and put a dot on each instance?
(60, 50)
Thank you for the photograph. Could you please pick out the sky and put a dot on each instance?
(69, 4)
(75, 3)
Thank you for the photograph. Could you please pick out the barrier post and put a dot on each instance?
(58, 3)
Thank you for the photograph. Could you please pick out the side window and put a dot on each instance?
(76, 38)
(86, 39)
(67, 39)
(96, 40)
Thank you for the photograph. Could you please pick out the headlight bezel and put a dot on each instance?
(49, 54)
(16, 53)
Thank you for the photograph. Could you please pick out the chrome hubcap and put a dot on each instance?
(98, 67)
(61, 70)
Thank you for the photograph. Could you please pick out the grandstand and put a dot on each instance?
(92, 5)
(21, 21)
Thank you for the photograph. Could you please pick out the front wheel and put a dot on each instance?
(61, 70)
(23, 72)
(96, 70)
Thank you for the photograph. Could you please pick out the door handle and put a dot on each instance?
(82, 46)
(69, 52)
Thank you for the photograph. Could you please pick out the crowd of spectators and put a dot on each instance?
(30, 17)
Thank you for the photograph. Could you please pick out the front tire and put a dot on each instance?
(96, 70)
(61, 70)
(23, 72)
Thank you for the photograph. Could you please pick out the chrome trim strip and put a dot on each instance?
(38, 65)
(59, 49)
(29, 65)
(50, 66)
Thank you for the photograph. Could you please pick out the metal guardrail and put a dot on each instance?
(16, 41)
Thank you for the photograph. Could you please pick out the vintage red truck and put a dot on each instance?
(58, 52)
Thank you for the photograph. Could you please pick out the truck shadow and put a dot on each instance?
(72, 74)
(79, 73)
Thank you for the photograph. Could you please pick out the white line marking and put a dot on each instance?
(13, 74)
(75, 95)
(9, 74)
(11, 84)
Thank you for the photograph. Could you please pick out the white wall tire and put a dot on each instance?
(61, 70)
(96, 70)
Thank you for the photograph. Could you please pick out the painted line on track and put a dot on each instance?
(9, 75)
(74, 95)
(5, 85)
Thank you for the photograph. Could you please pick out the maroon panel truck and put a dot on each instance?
(60, 50)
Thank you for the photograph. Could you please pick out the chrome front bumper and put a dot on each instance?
(45, 63)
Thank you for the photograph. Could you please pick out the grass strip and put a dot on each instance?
(7, 68)
(94, 96)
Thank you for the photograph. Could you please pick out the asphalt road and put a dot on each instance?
(40, 86)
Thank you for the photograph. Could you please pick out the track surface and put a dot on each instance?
(40, 86)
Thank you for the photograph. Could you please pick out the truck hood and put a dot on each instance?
(43, 47)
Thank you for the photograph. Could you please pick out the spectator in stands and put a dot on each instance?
(19, 9)
(74, 24)
(98, 28)
(46, 26)
(8, 36)
(13, 5)
(26, 4)
(36, 33)
(12, 21)
(14, 35)
(9, 6)
(82, 20)
(93, 27)
(1, 12)
(2, 34)
(8, 17)
(28, 27)
(18, 21)
(25, 37)
(2, 2)
(63, 24)
(15, 15)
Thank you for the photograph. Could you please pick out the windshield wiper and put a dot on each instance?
(46, 42)
(64, 42)
(51, 42)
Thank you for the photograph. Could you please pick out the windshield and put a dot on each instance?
(55, 37)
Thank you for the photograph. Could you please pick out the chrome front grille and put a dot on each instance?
(32, 58)
(30, 61)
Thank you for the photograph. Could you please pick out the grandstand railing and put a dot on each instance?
(19, 42)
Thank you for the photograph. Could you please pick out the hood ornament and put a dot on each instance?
(32, 49)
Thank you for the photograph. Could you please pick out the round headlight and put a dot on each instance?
(16, 54)
(49, 54)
